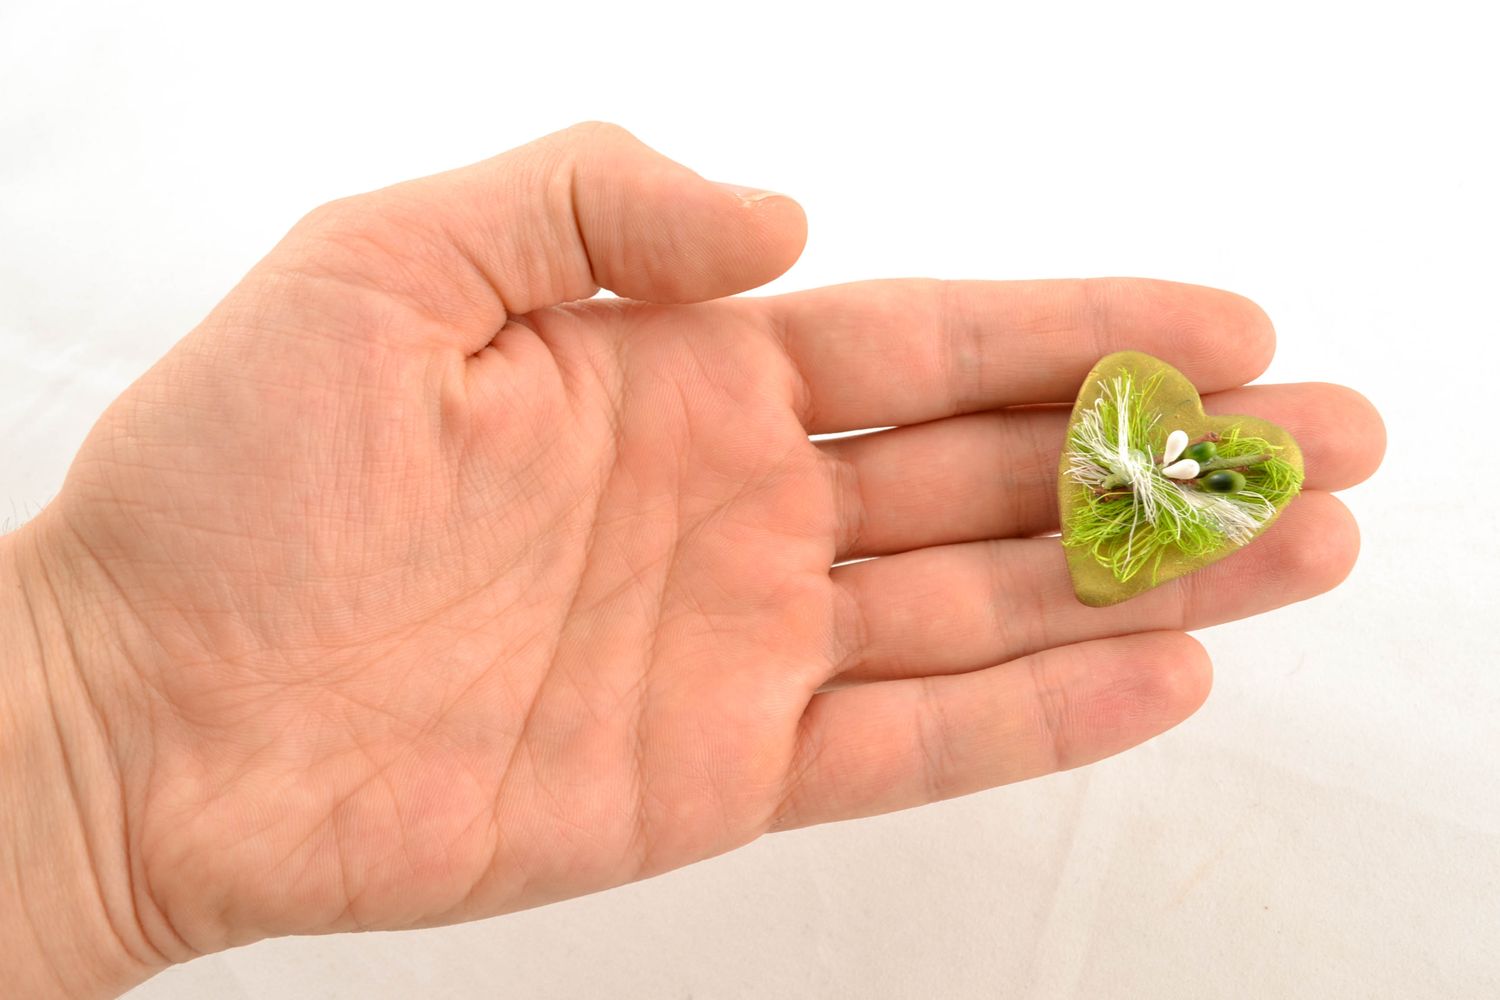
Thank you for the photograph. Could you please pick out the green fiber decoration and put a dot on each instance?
(1141, 506)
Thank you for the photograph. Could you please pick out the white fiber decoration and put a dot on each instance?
(1098, 453)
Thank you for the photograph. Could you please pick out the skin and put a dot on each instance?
(416, 586)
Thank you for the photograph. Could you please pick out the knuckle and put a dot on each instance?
(850, 511)
(933, 738)
(1050, 712)
(355, 215)
(359, 235)
(851, 638)
(331, 217)
(598, 132)
(1093, 302)
(579, 139)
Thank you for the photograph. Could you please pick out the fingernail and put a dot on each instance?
(748, 195)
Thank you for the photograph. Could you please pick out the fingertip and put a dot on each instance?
(773, 228)
(659, 232)
(1175, 675)
(1364, 431)
(1236, 334)
(1327, 544)
(1219, 339)
(1256, 332)
(1120, 692)
(782, 233)
(1188, 678)
(1230, 331)
(1340, 433)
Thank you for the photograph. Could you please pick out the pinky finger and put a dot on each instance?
(889, 745)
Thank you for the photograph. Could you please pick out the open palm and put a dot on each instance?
(440, 589)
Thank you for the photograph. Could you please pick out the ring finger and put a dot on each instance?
(956, 608)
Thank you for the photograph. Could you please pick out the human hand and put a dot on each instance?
(415, 586)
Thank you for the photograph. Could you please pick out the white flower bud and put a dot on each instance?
(1176, 442)
(1185, 469)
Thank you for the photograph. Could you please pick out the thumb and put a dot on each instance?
(550, 222)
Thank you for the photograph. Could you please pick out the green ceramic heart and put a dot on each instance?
(1135, 518)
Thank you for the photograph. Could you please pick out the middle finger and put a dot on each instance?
(994, 475)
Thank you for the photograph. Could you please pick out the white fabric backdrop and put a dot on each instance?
(1327, 826)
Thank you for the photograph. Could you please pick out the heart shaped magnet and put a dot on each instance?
(1151, 488)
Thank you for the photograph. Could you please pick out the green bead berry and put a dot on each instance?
(1201, 452)
(1223, 481)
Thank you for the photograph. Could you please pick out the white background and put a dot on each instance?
(1327, 826)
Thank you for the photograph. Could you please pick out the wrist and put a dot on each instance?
(69, 921)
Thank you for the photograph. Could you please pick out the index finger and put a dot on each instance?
(904, 351)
